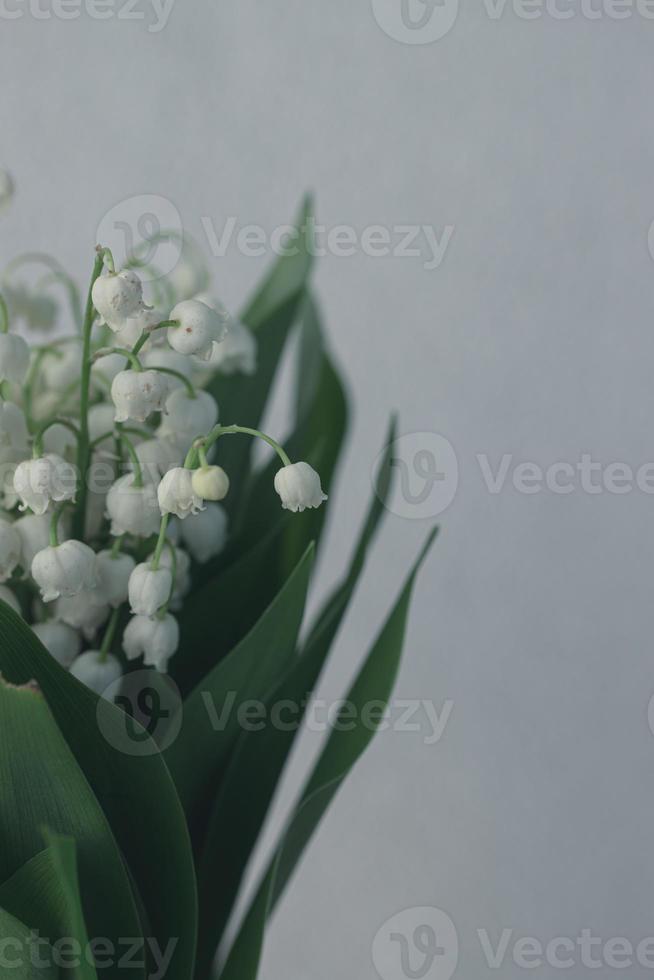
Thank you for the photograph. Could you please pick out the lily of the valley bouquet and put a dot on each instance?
(150, 567)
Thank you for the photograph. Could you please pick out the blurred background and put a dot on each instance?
(513, 142)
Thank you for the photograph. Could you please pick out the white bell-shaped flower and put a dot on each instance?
(40, 481)
(205, 534)
(34, 534)
(62, 365)
(8, 596)
(14, 358)
(210, 482)
(10, 549)
(238, 352)
(298, 485)
(156, 640)
(182, 583)
(176, 495)
(59, 639)
(199, 329)
(188, 417)
(133, 510)
(60, 440)
(113, 574)
(64, 569)
(149, 590)
(157, 456)
(136, 394)
(117, 296)
(96, 671)
(83, 612)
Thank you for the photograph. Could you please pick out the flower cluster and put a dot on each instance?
(110, 490)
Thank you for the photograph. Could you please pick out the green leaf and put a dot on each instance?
(16, 937)
(271, 315)
(45, 894)
(43, 785)
(200, 752)
(344, 747)
(288, 275)
(257, 763)
(136, 792)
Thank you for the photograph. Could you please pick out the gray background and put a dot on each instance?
(533, 138)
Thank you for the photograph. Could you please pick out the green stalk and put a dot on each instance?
(108, 637)
(228, 430)
(161, 540)
(83, 446)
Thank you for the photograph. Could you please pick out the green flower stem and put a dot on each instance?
(190, 388)
(83, 446)
(37, 448)
(143, 339)
(202, 456)
(109, 634)
(161, 541)
(54, 524)
(131, 452)
(173, 571)
(131, 357)
(117, 545)
(228, 430)
(4, 315)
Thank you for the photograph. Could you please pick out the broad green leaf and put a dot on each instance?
(344, 747)
(44, 786)
(257, 763)
(211, 712)
(289, 274)
(16, 940)
(136, 793)
(271, 315)
(45, 894)
(238, 597)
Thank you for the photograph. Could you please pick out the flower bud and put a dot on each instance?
(149, 590)
(154, 639)
(298, 485)
(10, 549)
(117, 296)
(210, 482)
(14, 358)
(113, 573)
(199, 329)
(133, 510)
(64, 570)
(176, 495)
(96, 673)
(136, 394)
(188, 417)
(40, 481)
(205, 534)
(60, 640)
